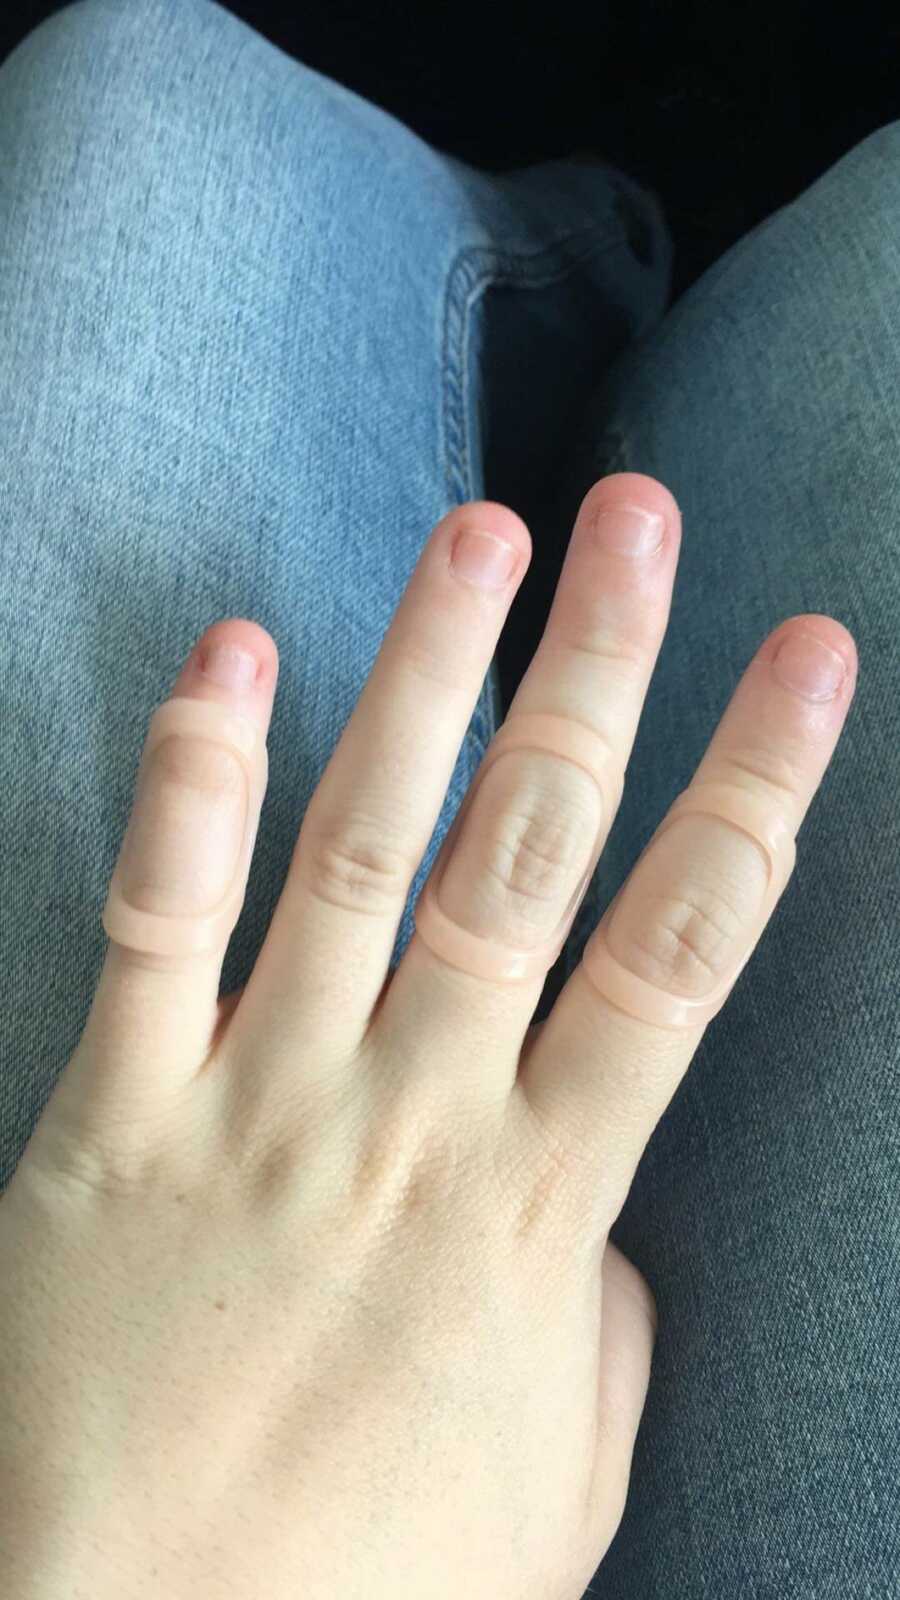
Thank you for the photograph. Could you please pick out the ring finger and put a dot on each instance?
(522, 849)
(672, 942)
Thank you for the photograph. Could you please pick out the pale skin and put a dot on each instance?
(308, 1291)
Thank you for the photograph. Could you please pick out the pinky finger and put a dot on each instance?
(181, 875)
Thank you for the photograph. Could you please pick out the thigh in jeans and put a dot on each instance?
(766, 1209)
(240, 323)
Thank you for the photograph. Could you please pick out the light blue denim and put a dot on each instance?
(256, 338)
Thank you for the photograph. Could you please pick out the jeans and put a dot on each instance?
(257, 337)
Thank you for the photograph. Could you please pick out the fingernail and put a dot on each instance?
(483, 560)
(627, 530)
(809, 667)
(228, 666)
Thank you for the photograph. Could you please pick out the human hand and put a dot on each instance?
(308, 1291)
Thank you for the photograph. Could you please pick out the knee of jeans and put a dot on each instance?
(857, 199)
(164, 78)
(97, 32)
(876, 157)
(824, 264)
(817, 266)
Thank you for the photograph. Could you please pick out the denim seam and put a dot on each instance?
(474, 269)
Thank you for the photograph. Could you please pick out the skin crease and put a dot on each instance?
(308, 1290)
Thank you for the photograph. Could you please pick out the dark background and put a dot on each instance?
(727, 109)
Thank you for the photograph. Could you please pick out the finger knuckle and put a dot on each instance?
(536, 855)
(532, 854)
(197, 764)
(181, 844)
(101, 1156)
(625, 654)
(546, 1186)
(771, 773)
(537, 1177)
(428, 661)
(687, 940)
(354, 863)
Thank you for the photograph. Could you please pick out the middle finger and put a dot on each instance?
(521, 851)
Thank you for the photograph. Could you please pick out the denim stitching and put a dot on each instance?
(473, 270)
